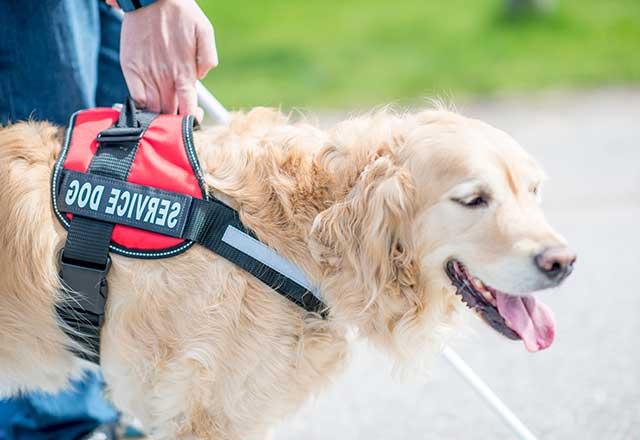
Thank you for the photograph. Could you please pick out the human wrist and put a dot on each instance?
(132, 5)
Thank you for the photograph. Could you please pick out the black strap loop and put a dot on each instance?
(128, 115)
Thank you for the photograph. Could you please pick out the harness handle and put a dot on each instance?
(128, 117)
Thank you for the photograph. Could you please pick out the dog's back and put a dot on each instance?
(27, 153)
(28, 239)
(192, 329)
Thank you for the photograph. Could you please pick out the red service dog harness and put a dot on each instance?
(130, 182)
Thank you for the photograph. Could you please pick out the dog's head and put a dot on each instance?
(483, 225)
(447, 210)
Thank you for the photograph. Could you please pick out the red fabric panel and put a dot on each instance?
(83, 141)
(83, 144)
(161, 162)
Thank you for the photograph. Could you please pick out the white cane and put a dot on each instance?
(215, 109)
(481, 387)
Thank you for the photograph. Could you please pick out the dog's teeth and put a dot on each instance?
(487, 295)
(482, 289)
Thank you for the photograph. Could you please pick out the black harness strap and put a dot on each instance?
(207, 223)
(85, 261)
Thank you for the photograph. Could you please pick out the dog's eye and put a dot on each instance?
(476, 201)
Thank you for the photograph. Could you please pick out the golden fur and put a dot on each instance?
(197, 348)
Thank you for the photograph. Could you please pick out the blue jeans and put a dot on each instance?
(69, 415)
(56, 57)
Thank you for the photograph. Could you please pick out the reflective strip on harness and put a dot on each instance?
(267, 256)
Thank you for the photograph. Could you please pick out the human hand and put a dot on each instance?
(164, 49)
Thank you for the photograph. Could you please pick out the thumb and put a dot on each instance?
(136, 88)
(206, 53)
(199, 114)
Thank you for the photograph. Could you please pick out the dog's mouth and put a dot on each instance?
(514, 316)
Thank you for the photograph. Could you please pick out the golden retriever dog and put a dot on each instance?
(400, 219)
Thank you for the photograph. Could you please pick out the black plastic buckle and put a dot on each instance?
(120, 135)
(89, 284)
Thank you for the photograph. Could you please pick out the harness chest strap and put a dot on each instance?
(101, 198)
(209, 223)
(84, 261)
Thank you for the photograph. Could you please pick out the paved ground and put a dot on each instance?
(587, 386)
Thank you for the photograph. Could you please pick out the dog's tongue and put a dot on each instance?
(530, 319)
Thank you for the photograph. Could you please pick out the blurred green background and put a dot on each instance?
(354, 53)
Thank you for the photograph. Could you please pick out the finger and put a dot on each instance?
(206, 53)
(168, 98)
(199, 115)
(136, 87)
(187, 99)
(153, 103)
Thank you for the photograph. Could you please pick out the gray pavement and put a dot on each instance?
(587, 385)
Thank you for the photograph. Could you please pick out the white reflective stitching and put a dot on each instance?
(267, 256)
(190, 148)
(58, 166)
(65, 222)
(150, 254)
(187, 244)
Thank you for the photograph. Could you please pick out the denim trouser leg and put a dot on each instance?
(65, 416)
(111, 84)
(56, 57)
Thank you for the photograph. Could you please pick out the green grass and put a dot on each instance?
(351, 53)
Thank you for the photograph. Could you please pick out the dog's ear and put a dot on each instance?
(368, 233)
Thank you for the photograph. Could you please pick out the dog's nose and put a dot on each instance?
(556, 262)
